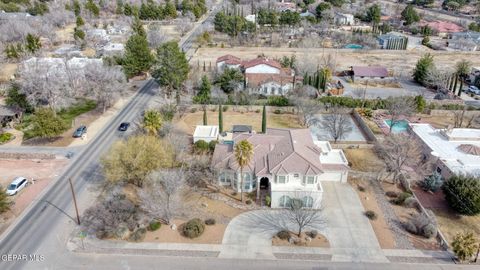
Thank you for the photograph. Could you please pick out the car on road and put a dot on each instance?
(80, 131)
(124, 126)
(473, 89)
(17, 184)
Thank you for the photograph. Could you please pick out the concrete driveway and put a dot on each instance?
(350, 234)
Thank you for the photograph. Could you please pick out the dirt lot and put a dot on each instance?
(395, 60)
(230, 118)
(43, 171)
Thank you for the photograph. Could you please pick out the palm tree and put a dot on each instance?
(463, 69)
(243, 155)
(152, 122)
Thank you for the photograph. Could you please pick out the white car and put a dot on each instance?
(473, 89)
(17, 184)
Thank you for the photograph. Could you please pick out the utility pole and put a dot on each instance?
(74, 200)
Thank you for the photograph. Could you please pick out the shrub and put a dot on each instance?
(193, 110)
(371, 215)
(193, 228)
(464, 245)
(463, 194)
(411, 202)
(257, 110)
(210, 221)
(201, 146)
(234, 193)
(410, 227)
(391, 194)
(277, 111)
(401, 198)
(5, 137)
(138, 235)
(211, 145)
(248, 202)
(277, 101)
(225, 108)
(361, 188)
(431, 183)
(312, 234)
(429, 230)
(268, 200)
(154, 225)
(284, 235)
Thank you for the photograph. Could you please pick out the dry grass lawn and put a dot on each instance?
(7, 70)
(66, 34)
(451, 223)
(230, 118)
(363, 159)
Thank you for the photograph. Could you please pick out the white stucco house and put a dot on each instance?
(228, 61)
(454, 151)
(343, 18)
(205, 133)
(287, 164)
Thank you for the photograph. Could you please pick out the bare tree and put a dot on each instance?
(162, 196)
(398, 152)
(156, 37)
(184, 26)
(337, 123)
(105, 83)
(438, 79)
(306, 111)
(398, 107)
(458, 117)
(302, 217)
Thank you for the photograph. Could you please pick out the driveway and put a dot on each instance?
(351, 236)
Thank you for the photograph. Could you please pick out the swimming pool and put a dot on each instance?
(399, 126)
(353, 46)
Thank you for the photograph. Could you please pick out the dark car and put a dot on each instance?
(124, 126)
(80, 131)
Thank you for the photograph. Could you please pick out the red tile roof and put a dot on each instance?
(260, 61)
(442, 26)
(229, 59)
(372, 71)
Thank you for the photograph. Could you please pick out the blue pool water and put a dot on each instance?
(353, 46)
(400, 126)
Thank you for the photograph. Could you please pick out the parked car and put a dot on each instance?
(80, 131)
(17, 184)
(124, 126)
(474, 90)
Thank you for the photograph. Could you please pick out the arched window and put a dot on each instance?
(284, 201)
(307, 202)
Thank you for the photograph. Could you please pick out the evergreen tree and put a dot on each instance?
(137, 57)
(264, 120)
(455, 84)
(17, 99)
(422, 67)
(33, 43)
(92, 7)
(137, 27)
(220, 118)
(463, 194)
(171, 68)
(410, 15)
(203, 95)
(205, 116)
(127, 10)
(46, 124)
(78, 34)
(76, 8)
(170, 10)
(373, 14)
(119, 9)
(80, 21)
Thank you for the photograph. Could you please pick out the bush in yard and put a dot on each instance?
(432, 182)
(5, 137)
(224, 108)
(284, 235)
(46, 124)
(429, 230)
(194, 228)
(154, 225)
(463, 194)
(410, 227)
(248, 202)
(268, 200)
(277, 101)
(138, 235)
(391, 194)
(4, 201)
(401, 198)
(210, 221)
(423, 224)
(371, 215)
(201, 146)
(312, 234)
(410, 202)
(211, 145)
(361, 188)
(193, 110)
(465, 245)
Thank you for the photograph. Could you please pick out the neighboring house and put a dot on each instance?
(99, 37)
(251, 18)
(10, 16)
(59, 67)
(228, 61)
(118, 29)
(475, 76)
(111, 49)
(454, 151)
(262, 75)
(392, 41)
(368, 73)
(343, 18)
(307, 14)
(284, 6)
(242, 129)
(205, 133)
(464, 41)
(286, 164)
(443, 28)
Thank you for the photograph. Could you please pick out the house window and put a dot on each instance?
(309, 180)
(284, 201)
(307, 202)
(281, 179)
(296, 175)
(439, 170)
(225, 178)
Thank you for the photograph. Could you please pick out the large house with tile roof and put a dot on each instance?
(262, 75)
(287, 164)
